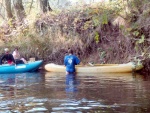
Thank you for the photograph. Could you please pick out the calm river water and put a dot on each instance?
(83, 93)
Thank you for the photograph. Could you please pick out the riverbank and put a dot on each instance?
(97, 33)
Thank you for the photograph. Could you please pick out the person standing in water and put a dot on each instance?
(70, 61)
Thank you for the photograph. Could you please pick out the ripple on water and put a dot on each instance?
(93, 93)
(33, 104)
(6, 111)
(37, 109)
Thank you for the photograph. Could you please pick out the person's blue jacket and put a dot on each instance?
(70, 61)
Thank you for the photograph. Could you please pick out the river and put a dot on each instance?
(45, 92)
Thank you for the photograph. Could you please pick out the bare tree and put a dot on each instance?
(44, 6)
(8, 9)
(30, 6)
(19, 9)
(2, 10)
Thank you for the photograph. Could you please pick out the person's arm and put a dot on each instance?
(65, 61)
(2, 59)
(12, 58)
(82, 64)
(14, 55)
(77, 60)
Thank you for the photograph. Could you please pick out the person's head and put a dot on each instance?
(6, 50)
(70, 51)
(16, 49)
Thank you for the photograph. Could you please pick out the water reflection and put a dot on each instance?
(16, 93)
(13, 84)
(58, 92)
(71, 83)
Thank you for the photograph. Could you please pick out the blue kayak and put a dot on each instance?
(20, 68)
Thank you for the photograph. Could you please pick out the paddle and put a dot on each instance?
(90, 64)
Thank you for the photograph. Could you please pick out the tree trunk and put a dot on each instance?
(19, 10)
(44, 6)
(30, 6)
(8, 9)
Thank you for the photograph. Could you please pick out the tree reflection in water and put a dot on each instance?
(14, 83)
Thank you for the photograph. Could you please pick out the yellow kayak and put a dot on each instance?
(97, 68)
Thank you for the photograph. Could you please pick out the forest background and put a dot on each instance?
(99, 31)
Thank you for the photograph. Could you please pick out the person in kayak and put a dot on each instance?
(17, 57)
(7, 57)
(70, 61)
